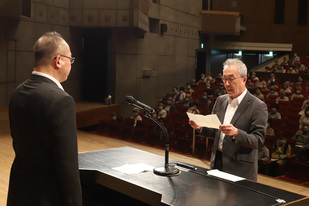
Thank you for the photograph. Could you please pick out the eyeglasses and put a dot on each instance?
(72, 59)
(230, 79)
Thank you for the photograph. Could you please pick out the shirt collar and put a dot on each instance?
(49, 77)
(238, 99)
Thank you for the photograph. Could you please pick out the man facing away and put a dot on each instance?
(244, 120)
(43, 127)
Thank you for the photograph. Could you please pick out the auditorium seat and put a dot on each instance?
(127, 129)
(297, 172)
(277, 125)
(139, 133)
(269, 142)
(103, 127)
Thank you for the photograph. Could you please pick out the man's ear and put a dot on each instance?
(57, 62)
(245, 79)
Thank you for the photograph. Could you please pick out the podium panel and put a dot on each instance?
(191, 187)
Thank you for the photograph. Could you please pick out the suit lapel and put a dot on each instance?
(241, 108)
(221, 113)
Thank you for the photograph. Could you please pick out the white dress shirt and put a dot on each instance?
(49, 77)
(229, 113)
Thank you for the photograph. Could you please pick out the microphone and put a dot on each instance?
(138, 104)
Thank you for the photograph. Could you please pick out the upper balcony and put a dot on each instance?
(221, 23)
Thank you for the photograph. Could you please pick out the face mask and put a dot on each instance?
(274, 109)
(188, 87)
(169, 102)
(281, 142)
(187, 99)
(114, 118)
(160, 108)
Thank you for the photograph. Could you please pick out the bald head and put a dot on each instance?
(47, 47)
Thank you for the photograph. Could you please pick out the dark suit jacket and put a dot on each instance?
(240, 155)
(43, 127)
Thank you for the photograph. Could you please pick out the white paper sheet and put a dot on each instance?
(210, 121)
(130, 169)
(225, 175)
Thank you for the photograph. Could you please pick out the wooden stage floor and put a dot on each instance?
(91, 142)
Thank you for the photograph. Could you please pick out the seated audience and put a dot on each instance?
(281, 150)
(136, 117)
(258, 94)
(169, 106)
(209, 77)
(187, 102)
(176, 95)
(304, 118)
(219, 77)
(272, 92)
(250, 86)
(203, 78)
(302, 142)
(182, 94)
(285, 62)
(280, 69)
(296, 58)
(220, 91)
(189, 88)
(297, 94)
(272, 80)
(275, 65)
(193, 84)
(286, 87)
(264, 88)
(204, 99)
(274, 114)
(305, 103)
(269, 130)
(209, 91)
(253, 77)
(194, 109)
(263, 157)
(268, 69)
(115, 118)
(160, 113)
(282, 97)
(291, 70)
(299, 80)
(260, 83)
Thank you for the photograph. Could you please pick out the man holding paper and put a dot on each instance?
(243, 128)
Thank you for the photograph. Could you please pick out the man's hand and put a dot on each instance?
(194, 125)
(229, 129)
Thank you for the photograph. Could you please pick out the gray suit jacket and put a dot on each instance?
(240, 155)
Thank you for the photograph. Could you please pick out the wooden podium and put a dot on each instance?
(104, 185)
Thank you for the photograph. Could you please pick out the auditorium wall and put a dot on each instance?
(146, 62)
(17, 37)
(259, 19)
(148, 67)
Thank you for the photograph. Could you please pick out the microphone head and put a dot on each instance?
(130, 99)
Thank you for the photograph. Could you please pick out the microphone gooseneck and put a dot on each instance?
(167, 169)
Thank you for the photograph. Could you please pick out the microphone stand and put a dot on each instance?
(167, 169)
